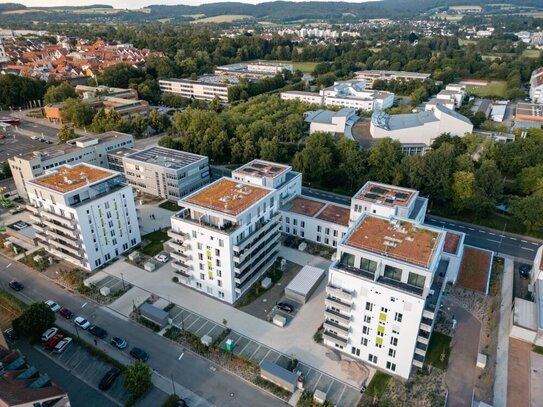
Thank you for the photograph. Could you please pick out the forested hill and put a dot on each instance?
(278, 11)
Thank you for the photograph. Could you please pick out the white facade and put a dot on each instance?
(332, 122)
(205, 88)
(497, 114)
(307, 97)
(372, 75)
(536, 86)
(380, 307)
(83, 214)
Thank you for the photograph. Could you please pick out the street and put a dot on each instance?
(212, 383)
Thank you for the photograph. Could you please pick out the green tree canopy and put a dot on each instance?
(318, 158)
(59, 93)
(66, 133)
(384, 158)
(137, 379)
(34, 321)
(77, 112)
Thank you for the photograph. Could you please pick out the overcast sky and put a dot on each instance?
(129, 3)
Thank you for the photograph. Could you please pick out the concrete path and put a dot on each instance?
(504, 328)
(536, 380)
(133, 298)
(518, 385)
(460, 376)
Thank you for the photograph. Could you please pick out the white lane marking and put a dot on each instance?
(493, 234)
(440, 221)
(181, 355)
(461, 227)
(482, 231)
(83, 306)
(471, 229)
(9, 265)
(523, 241)
(535, 244)
(495, 241)
(513, 238)
(527, 248)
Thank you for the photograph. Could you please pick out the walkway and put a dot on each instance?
(502, 353)
(518, 385)
(460, 376)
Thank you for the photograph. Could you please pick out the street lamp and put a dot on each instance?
(122, 278)
(77, 331)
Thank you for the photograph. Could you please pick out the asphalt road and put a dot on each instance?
(191, 371)
(520, 247)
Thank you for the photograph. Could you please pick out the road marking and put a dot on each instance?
(83, 306)
(495, 241)
(481, 231)
(471, 229)
(493, 234)
(523, 241)
(440, 221)
(513, 238)
(9, 265)
(181, 355)
(461, 227)
(527, 248)
(535, 244)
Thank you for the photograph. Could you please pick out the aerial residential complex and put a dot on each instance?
(350, 94)
(88, 149)
(536, 86)
(84, 214)
(226, 235)
(451, 97)
(206, 87)
(165, 172)
(372, 75)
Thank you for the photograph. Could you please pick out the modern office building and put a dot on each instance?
(307, 97)
(88, 149)
(372, 75)
(329, 121)
(206, 87)
(536, 86)
(164, 172)
(227, 234)
(83, 214)
(254, 70)
(384, 291)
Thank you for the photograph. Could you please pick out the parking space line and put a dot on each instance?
(317, 382)
(247, 344)
(193, 322)
(199, 329)
(341, 395)
(212, 328)
(252, 354)
(269, 350)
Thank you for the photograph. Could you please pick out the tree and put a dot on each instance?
(66, 133)
(77, 112)
(411, 171)
(384, 158)
(216, 104)
(529, 178)
(59, 93)
(34, 321)
(18, 91)
(488, 187)
(139, 125)
(352, 163)
(316, 160)
(438, 170)
(119, 75)
(271, 150)
(528, 210)
(137, 379)
(463, 189)
(158, 122)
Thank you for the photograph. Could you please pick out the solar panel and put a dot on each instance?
(401, 195)
(28, 373)
(389, 201)
(42, 381)
(378, 190)
(371, 196)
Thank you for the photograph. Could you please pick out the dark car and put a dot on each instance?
(15, 285)
(283, 306)
(181, 403)
(289, 240)
(10, 334)
(139, 354)
(119, 343)
(524, 271)
(66, 313)
(109, 378)
(97, 331)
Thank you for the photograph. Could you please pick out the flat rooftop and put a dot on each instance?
(401, 240)
(529, 109)
(319, 210)
(261, 169)
(335, 214)
(387, 195)
(166, 157)
(304, 206)
(67, 178)
(228, 196)
(452, 242)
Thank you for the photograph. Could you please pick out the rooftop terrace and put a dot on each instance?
(228, 196)
(319, 210)
(335, 214)
(387, 195)
(67, 178)
(261, 169)
(304, 206)
(397, 239)
(166, 157)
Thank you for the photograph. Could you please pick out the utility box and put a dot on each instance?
(105, 291)
(279, 320)
(229, 345)
(149, 266)
(207, 340)
(266, 283)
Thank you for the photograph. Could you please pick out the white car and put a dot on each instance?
(49, 334)
(82, 322)
(53, 305)
(62, 345)
(163, 258)
(34, 137)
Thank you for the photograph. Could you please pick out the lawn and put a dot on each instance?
(156, 245)
(493, 89)
(10, 308)
(305, 67)
(531, 53)
(378, 384)
(225, 18)
(537, 349)
(170, 206)
(439, 350)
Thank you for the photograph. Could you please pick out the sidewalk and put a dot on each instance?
(502, 353)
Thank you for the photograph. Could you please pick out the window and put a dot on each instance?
(394, 341)
(200, 256)
(355, 351)
(198, 285)
(219, 273)
(369, 306)
(392, 353)
(295, 222)
(366, 330)
(416, 279)
(194, 234)
(200, 246)
(372, 358)
(335, 233)
(287, 220)
(318, 238)
(219, 283)
(367, 319)
(327, 231)
(380, 330)
(368, 265)
(383, 309)
(391, 366)
(221, 294)
(302, 224)
(218, 263)
(379, 343)
(398, 317)
(217, 252)
(319, 229)
(393, 273)
(364, 341)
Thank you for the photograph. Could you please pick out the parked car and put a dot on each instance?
(34, 137)
(51, 343)
(10, 334)
(139, 354)
(283, 306)
(525, 271)
(82, 322)
(97, 331)
(62, 345)
(49, 334)
(289, 240)
(15, 285)
(119, 343)
(66, 313)
(163, 258)
(109, 378)
(181, 403)
(48, 142)
(53, 305)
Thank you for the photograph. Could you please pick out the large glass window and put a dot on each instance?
(393, 273)
(416, 279)
(347, 259)
(368, 265)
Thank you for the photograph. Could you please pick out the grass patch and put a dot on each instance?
(305, 67)
(531, 53)
(307, 400)
(156, 245)
(537, 349)
(439, 350)
(493, 89)
(170, 206)
(378, 384)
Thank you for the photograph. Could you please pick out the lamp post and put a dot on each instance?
(122, 278)
(77, 331)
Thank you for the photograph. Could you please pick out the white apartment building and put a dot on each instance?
(92, 150)
(226, 235)
(372, 75)
(83, 214)
(536, 86)
(206, 87)
(340, 122)
(384, 291)
(307, 97)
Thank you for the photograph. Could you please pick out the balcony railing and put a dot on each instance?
(68, 231)
(330, 313)
(332, 302)
(401, 286)
(64, 246)
(35, 218)
(336, 327)
(180, 266)
(175, 246)
(61, 233)
(58, 218)
(338, 340)
(261, 231)
(177, 235)
(256, 257)
(226, 228)
(32, 209)
(339, 292)
(354, 270)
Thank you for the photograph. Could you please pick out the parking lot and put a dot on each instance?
(12, 146)
(339, 393)
(113, 283)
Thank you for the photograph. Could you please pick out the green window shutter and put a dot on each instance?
(379, 341)
(382, 317)
(210, 275)
(381, 329)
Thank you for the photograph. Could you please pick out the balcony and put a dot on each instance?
(35, 218)
(40, 234)
(180, 266)
(175, 246)
(67, 231)
(256, 256)
(341, 330)
(185, 274)
(423, 340)
(425, 327)
(417, 363)
(180, 256)
(354, 270)
(32, 209)
(64, 246)
(335, 303)
(227, 227)
(61, 234)
(330, 313)
(339, 293)
(177, 235)
(410, 289)
(333, 338)
(63, 255)
(263, 230)
(68, 222)
(38, 227)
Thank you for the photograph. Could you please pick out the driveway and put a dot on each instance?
(518, 384)
(460, 376)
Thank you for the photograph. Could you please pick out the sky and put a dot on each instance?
(132, 4)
